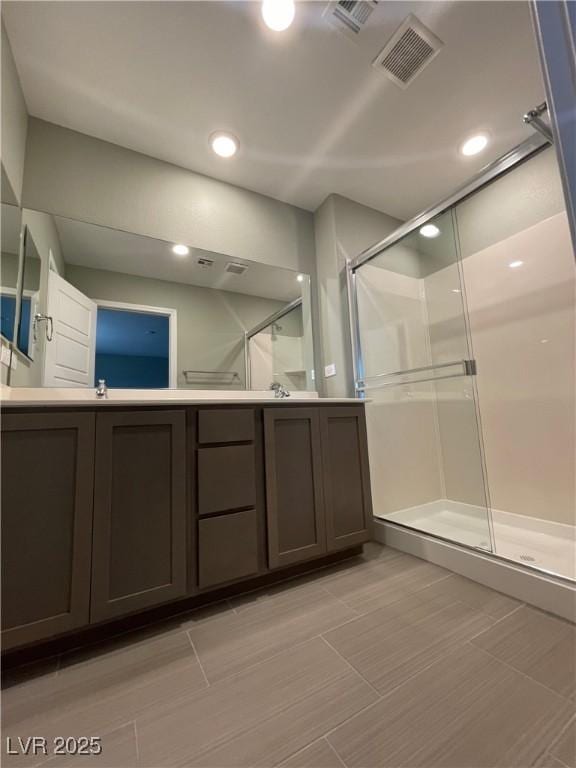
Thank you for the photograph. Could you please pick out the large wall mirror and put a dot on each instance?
(82, 302)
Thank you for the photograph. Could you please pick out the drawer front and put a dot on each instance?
(234, 425)
(226, 478)
(228, 548)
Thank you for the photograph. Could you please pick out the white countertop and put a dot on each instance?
(44, 396)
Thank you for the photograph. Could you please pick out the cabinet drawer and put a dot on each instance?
(226, 478)
(228, 548)
(234, 425)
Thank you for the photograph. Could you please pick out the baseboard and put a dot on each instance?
(544, 591)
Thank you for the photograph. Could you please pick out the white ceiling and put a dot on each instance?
(88, 245)
(312, 115)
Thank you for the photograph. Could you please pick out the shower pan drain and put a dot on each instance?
(528, 558)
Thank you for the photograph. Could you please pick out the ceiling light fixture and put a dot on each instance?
(474, 145)
(181, 250)
(515, 264)
(429, 230)
(224, 144)
(278, 14)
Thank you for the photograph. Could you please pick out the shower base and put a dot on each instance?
(531, 541)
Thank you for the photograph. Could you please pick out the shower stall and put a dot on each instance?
(463, 337)
(280, 348)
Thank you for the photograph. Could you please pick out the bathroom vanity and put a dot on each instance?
(113, 508)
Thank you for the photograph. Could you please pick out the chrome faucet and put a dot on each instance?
(101, 389)
(279, 391)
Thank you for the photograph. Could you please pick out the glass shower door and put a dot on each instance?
(418, 377)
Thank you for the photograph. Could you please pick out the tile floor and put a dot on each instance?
(383, 660)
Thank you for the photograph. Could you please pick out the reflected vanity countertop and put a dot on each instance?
(45, 396)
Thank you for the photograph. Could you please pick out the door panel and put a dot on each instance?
(139, 512)
(47, 481)
(346, 476)
(70, 355)
(295, 502)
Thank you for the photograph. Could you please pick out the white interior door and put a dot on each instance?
(70, 357)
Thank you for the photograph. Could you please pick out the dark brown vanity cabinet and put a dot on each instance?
(140, 526)
(47, 481)
(110, 511)
(317, 481)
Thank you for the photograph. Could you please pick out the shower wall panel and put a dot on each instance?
(522, 319)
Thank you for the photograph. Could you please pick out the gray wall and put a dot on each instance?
(211, 323)
(343, 228)
(14, 127)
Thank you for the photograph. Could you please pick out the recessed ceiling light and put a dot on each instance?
(181, 250)
(300, 278)
(474, 145)
(278, 14)
(515, 264)
(429, 230)
(224, 144)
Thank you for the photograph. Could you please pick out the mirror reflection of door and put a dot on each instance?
(10, 247)
(30, 291)
(133, 347)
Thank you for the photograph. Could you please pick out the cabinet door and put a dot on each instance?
(295, 503)
(47, 482)
(139, 555)
(346, 476)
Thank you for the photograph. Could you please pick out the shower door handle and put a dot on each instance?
(467, 368)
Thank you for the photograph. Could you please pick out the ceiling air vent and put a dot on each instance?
(408, 52)
(202, 262)
(349, 16)
(235, 268)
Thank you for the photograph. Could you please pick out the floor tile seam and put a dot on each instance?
(197, 657)
(395, 579)
(335, 751)
(351, 667)
(136, 742)
(497, 621)
(404, 596)
(395, 688)
(109, 698)
(251, 667)
(307, 746)
(446, 637)
(564, 699)
(221, 742)
(113, 638)
(559, 738)
(297, 618)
